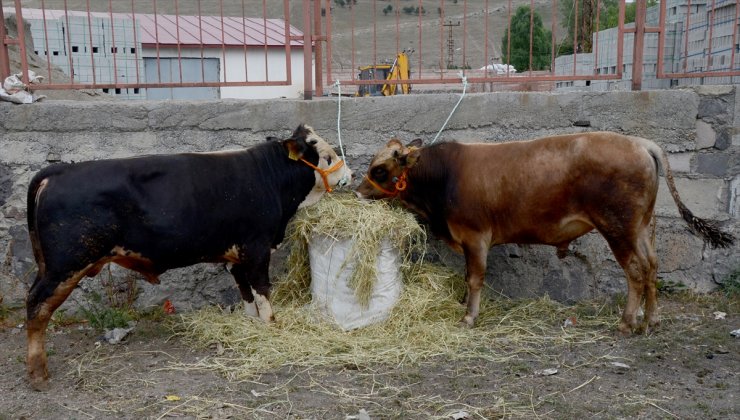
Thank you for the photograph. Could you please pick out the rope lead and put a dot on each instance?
(464, 85)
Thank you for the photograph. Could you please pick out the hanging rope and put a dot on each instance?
(464, 85)
(339, 117)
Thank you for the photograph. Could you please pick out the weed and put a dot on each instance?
(62, 319)
(668, 287)
(731, 284)
(104, 317)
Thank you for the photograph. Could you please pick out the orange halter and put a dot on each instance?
(400, 184)
(325, 172)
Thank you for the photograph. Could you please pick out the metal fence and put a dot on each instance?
(255, 48)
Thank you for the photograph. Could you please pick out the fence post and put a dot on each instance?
(4, 57)
(317, 48)
(638, 49)
(307, 56)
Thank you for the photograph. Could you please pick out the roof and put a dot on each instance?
(193, 30)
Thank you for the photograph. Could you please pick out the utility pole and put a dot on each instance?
(450, 43)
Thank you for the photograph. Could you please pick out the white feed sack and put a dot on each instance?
(335, 298)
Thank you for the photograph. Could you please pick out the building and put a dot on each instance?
(686, 49)
(108, 48)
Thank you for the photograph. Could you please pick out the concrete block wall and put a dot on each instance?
(698, 127)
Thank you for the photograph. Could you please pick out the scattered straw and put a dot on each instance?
(366, 224)
(423, 325)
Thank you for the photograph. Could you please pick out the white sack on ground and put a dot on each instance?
(331, 292)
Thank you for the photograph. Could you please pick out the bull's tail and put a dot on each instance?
(707, 229)
(34, 190)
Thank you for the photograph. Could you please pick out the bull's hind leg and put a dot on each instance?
(475, 273)
(47, 293)
(637, 258)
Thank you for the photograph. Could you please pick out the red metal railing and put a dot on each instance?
(152, 44)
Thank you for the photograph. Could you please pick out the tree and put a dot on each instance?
(520, 30)
(608, 18)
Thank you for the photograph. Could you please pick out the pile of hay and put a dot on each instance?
(366, 224)
(423, 325)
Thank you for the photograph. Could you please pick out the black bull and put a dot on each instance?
(154, 213)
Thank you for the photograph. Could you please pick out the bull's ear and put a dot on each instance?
(415, 143)
(407, 158)
(271, 138)
(393, 141)
(295, 147)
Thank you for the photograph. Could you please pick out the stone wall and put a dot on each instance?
(698, 127)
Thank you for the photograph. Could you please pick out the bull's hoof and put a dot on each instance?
(40, 382)
(467, 322)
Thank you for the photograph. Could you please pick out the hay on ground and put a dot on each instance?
(423, 325)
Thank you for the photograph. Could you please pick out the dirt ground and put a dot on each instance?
(687, 368)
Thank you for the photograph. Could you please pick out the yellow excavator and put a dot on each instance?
(389, 73)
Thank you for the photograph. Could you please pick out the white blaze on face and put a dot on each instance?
(327, 158)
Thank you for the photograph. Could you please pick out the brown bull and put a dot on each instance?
(545, 191)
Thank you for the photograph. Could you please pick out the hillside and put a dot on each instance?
(372, 42)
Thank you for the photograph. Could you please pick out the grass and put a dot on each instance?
(731, 284)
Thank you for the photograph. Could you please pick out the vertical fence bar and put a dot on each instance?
(288, 40)
(465, 34)
(734, 37)
(135, 27)
(21, 38)
(620, 38)
(113, 47)
(531, 33)
(441, 37)
(375, 33)
(244, 40)
(710, 61)
(553, 37)
(575, 37)
(352, 21)
(46, 39)
(420, 47)
(686, 39)
(318, 77)
(596, 41)
(200, 38)
(4, 56)
(68, 41)
(89, 31)
(485, 54)
(264, 37)
(661, 39)
(508, 41)
(177, 36)
(637, 53)
(327, 7)
(398, 25)
(223, 40)
(307, 76)
(156, 42)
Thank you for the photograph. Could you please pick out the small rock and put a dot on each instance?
(460, 415)
(735, 333)
(620, 365)
(116, 335)
(719, 315)
(361, 415)
(545, 372)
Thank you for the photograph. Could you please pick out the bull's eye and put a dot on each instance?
(379, 173)
(328, 160)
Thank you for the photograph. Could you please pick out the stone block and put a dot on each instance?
(712, 164)
(705, 135)
(680, 162)
(699, 195)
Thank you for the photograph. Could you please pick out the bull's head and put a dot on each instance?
(330, 171)
(386, 176)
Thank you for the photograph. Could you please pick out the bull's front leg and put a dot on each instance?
(252, 276)
(475, 274)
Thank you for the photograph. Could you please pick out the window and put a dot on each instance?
(136, 90)
(133, 50)
(75, 48)
(588, 83)
(114, 50)
(55, 53)
(95, 50)
(118, 91)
